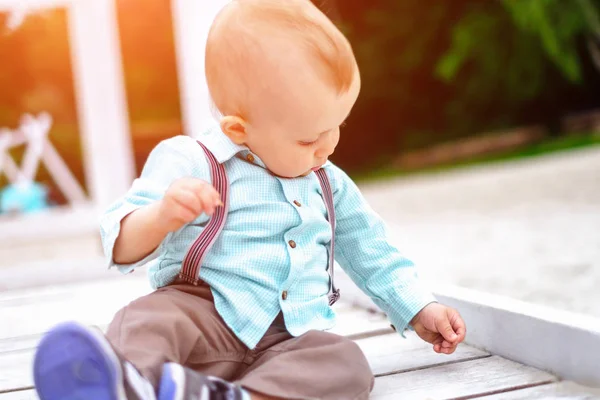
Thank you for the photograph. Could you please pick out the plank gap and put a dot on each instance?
(507, 390)
(17, 351)
(441, 364)
(464, 380)
(30, 336)
(21, 389)
(370, 334)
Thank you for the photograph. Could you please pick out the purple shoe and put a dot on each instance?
(73, 362)
(180, 383)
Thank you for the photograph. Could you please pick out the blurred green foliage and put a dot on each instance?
(435, 71)
(510, 50)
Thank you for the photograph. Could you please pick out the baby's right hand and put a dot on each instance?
(185, 200)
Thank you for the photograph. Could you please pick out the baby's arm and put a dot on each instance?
(140, 235)
(377, 267)
(171, 192)
(144, 229)
(365, 251)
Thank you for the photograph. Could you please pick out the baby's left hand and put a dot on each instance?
(441, 326)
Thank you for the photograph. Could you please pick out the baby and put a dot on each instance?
(240, 229)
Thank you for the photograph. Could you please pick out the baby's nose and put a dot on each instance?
(326, 149)
(324, 153)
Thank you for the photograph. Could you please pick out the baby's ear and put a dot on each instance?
(235, 129)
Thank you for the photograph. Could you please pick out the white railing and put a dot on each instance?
(100, 91)
(102, 112)
(33, 134)
(191, 22)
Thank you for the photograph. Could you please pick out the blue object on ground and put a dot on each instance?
(23, 198)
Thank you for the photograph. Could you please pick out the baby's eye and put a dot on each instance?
(307, 143)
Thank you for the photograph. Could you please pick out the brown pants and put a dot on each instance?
(179, 323)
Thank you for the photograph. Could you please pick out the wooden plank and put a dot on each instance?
(27, 313)
(560, 390)
(387, 354)
(31, 312)
(415, 383)
(28, 394)
(138, 282)
(391, 354)
(557, 391)
(16, 354)
(458, 380)
(507, 327)
(356, 323)
(16, 370)
(57, 222)
(510, 328)
(20, 343)
(25, 266)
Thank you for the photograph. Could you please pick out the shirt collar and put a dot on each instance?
(219, 144)
(224, 149)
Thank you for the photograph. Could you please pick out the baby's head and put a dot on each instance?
(283, 79)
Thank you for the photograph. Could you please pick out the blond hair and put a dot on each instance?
(243, 35)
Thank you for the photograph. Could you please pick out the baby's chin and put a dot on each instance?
(292, 176)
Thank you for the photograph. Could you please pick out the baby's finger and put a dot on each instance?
(217, 199)
(443, 326)
(212, 195)
(446, 344)
(448, 350)
(458, 325)
(437, 348)
(208, 201)
(184, 208)
(189, 201)
(437, 341)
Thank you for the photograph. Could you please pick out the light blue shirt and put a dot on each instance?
(251, 263)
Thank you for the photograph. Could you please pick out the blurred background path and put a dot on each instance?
(528, 229)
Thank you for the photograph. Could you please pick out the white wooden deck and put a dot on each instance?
(405, 369)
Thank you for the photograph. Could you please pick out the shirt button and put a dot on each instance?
(297, 203)
(292, 244)
(250, 157)
(284, 295)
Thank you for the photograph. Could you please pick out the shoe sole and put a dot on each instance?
(73, 362)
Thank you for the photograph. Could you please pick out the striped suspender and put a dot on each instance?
(334, 294)
(192, 261)
(190, 271)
